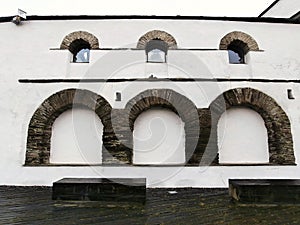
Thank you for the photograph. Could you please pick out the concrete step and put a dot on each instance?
(265, 191)
(100, 189)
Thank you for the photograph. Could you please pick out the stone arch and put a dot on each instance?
(181, 105)
(249, 43)
(280, 141)
(157, 35)
(80, 35)
(40, 126)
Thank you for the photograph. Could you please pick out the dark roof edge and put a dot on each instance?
(90, 17)
(295, 16)
(268, 9)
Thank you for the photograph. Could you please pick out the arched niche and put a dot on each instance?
(277, 123)
(242, 137)
(76, 138)
(158, 138)
(175, 102)
(40, 125)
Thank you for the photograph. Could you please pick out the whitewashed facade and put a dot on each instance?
(34, 67)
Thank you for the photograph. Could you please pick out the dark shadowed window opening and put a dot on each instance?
(236, 51)
(156, 51)
(80, 50)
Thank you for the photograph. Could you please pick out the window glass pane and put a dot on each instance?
(82, 56)
(234, 57)
(156, 55)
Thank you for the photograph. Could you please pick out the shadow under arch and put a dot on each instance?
(278, 126)
(179, 104)
(40, 126)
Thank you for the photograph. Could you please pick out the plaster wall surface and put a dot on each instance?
(37, 58)
(242, 137)
(76, 138)
(30, 51)
(159, 138)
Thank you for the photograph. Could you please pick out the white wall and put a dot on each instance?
(242, 137)
(33, 43)
(77, 138)
(19, 110)
(158, 138)
(26, 54)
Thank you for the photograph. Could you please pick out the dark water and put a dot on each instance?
(33, 205)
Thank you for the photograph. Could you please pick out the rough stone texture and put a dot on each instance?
(207, 148)
(179, 104)
(276, 121)
(265, 191)
(192, 206)
(100, 189)
(40, 126)
(238, 35)
(157, 34)
(77, 35)
(119, 143)
(200, 124)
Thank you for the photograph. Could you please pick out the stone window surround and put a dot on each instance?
(77, 35)
(161, 35)
(200, 127)
(251, 44)
(40, 126)
(157, 35)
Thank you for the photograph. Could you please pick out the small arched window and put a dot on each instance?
(238, 44)
(236, 51)
(156, 51)
(79, 44)
(80, 50)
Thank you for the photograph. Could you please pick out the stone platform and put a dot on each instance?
(265, 191)
(100, 189)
